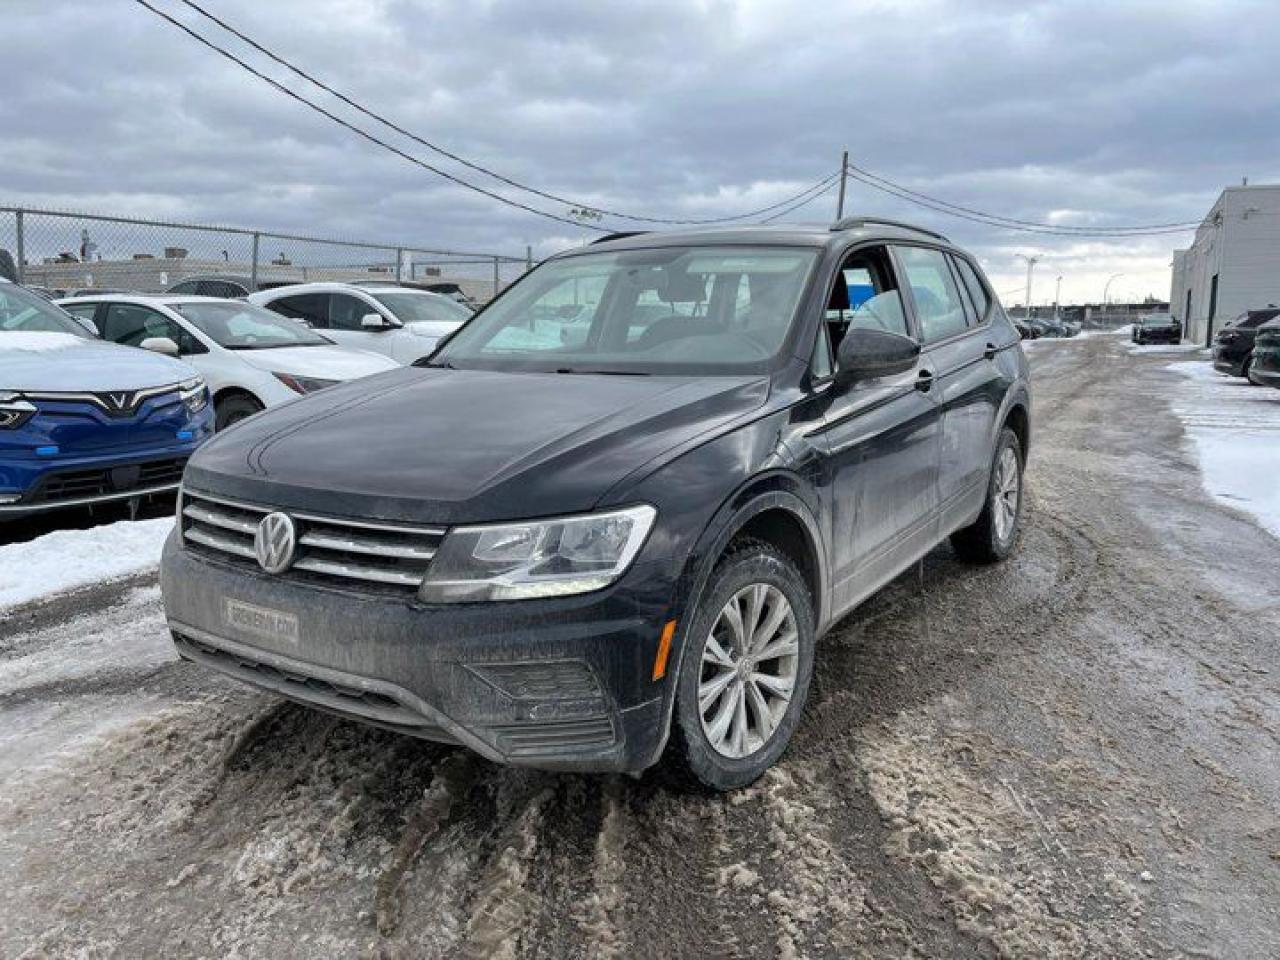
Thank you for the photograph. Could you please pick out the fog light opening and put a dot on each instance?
(664, 650)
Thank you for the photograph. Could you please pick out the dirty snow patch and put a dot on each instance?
(65, 559)
(1235, 431)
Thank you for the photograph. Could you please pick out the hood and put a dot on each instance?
(61, 362)
(433, 328)
(453, 446)
(327, 363)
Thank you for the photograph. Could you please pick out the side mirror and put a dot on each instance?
(160, 345)
(865, 354)
(376, 321)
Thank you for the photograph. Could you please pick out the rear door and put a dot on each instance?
(953, 310)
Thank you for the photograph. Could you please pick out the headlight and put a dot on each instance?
(14, 411)
(303, 384)
(194, 394)
(540, 558)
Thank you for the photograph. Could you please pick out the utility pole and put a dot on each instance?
(1031, 265)
(844, 176)
(1057, 297)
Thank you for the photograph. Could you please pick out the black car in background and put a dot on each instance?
(1265, 368)
(1157, 328)
(1233, 346)
(590, 552)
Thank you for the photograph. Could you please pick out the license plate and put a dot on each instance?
(260, 621)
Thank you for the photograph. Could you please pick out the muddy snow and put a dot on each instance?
(1070, 754)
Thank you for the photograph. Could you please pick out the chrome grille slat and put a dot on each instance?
(369, 545)
(218, 518)
(358, 571)
(385, 556)
(215, 541)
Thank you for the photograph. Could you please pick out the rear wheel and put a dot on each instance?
(991, 537)
(745, 671)
(233, 409)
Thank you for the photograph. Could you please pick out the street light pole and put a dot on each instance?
(1031, 265)
(1106, 290)
(1057, 298)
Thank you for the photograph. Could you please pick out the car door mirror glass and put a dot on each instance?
(162, 345)
(864, 354)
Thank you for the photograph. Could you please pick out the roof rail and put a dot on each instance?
(852, 223)
(620, 235)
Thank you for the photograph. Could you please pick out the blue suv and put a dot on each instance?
(82, 421)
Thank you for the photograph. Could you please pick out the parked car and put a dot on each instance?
(446, 289)
(250, 357)
(1265, 368)
(82, 421)
(398, 322)
(1156, 328)
(1025, 330)
(587, 555)
(1233, 345)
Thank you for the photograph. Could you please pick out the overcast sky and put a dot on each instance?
(1070, 112)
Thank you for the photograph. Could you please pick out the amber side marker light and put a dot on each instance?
(664, 650)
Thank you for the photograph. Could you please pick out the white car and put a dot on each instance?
(250, 357)
(402, 323)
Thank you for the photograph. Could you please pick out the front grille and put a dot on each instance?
(391, 557)
(539, 739)
(107, 481)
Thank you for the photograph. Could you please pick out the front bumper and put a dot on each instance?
(563, 684)
(38, 486)
(1228, 361)
(1265, 373)
(1158, 336)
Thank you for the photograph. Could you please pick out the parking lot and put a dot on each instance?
(1069, 754)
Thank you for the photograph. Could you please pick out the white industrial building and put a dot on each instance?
(1233, 265)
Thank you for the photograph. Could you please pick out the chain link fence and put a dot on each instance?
(69, 253)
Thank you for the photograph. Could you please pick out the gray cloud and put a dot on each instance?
(1084, 113)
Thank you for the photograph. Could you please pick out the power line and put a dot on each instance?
(379, 118)
(1025, 226)
(822, 189)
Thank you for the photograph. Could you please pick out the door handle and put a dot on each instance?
(924, 382)
(990, 352)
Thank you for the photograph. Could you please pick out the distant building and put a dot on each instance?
(1233, 265)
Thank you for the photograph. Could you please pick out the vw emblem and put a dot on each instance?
(274, 541)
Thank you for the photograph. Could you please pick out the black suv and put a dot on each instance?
(612, 516)
(1233, 346)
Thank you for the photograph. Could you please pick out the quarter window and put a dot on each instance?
(977, 291)
(939, 308)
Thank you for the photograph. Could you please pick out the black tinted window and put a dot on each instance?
(221, 288)
(310, 307)
(974, 285)
(130, 324)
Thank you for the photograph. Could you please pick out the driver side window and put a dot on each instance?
(345, 311)
(130, 324)
(864, 295)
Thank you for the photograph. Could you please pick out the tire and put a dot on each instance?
(231, 410)
(750, 569)
(992, 537)
(1244, 370)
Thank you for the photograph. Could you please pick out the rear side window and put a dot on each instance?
(939, 307)
(312, 308)
(974, 285)
(186, 288)
(220, 288)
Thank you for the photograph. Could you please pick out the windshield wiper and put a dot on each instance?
(422, 362)
(605, 373)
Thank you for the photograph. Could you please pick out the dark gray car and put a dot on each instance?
(608, 521)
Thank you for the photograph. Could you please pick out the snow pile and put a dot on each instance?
(1163, 347)
(1235, 430)
(30, 341)
(66, 559)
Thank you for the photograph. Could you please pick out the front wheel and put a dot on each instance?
(233, 409)
(991, 537)
(745, 671)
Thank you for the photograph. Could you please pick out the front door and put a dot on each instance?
(881, 440)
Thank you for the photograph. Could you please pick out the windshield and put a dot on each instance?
(414, 307)
(245, 326)
(713, 310)
(1156, 320)
(23, 310)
